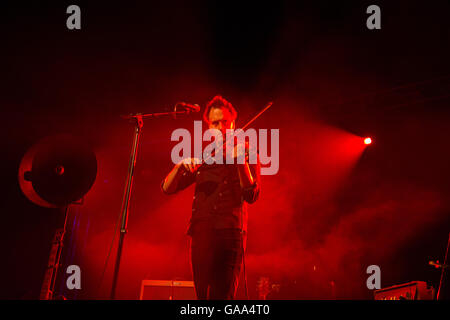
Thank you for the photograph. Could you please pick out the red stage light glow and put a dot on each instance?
(367, 141)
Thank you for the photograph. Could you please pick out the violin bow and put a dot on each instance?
(243, 128)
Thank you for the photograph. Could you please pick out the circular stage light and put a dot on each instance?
(57, 171)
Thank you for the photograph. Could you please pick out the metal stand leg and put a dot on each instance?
(126, 202)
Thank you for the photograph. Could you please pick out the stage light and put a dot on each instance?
(367, 140)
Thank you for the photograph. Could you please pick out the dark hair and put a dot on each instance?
(219, 102)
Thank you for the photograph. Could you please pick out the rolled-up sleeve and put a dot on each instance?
(183, 180)
(251, 194)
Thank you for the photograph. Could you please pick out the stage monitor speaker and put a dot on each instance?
(167, 290)
(415, 290)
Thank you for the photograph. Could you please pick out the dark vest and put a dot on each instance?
(219, 201)
(219, 198)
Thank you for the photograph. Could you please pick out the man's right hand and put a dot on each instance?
(191, 164)
(170, 184)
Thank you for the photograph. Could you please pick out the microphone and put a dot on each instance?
(188, 106)
(438, 265)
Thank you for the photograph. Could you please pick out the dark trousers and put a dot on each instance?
(216, 257)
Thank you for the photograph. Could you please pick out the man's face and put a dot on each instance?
(220, 119)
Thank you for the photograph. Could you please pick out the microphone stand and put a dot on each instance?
(138, 120)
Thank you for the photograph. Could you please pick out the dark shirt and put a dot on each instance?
(219, 201)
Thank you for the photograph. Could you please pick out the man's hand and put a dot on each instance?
(239, 151)
(170, 184)
(191, 164)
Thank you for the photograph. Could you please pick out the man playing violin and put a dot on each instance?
(218, 225)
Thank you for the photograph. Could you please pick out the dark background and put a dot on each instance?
(323, 219)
